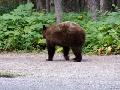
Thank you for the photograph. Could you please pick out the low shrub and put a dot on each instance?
(21, 29)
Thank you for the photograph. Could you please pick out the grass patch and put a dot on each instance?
(7, 74)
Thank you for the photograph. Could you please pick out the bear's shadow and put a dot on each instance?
(71, 60)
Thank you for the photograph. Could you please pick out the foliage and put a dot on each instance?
(8, 74)
(21, 29)
(103, 34)
(80, 18)
(7, 5)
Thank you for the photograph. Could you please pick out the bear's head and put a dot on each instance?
(44, 31)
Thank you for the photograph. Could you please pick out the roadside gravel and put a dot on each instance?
(93, 73)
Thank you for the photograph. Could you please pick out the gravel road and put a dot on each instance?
(93, 73)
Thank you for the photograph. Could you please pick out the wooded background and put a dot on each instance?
(21, 23)
(93, 6)
(67, 5)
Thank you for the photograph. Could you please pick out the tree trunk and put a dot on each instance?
(105, 5)
(28, 1)
(47, 5)
(83, 5)
(72, 5)
(118, 4)
(22, 1)
(98, 4)
(38, 5)
(114, 4)
(92, 7)
(58, 10)
(43, 4)
(65, 5)
(19, 1)
(75, 5)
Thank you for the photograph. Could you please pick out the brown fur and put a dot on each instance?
(66, 34)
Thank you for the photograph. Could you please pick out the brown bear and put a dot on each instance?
(66, 34)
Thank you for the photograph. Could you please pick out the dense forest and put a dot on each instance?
(92, 6)
(67, 6)
(21, 23)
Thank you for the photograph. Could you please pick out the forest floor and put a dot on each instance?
(33, 72)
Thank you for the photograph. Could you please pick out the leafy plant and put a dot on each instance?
(104, 33)
(21, 29)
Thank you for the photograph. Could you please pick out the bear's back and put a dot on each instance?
(66, 33)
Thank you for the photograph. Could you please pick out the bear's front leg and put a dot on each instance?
(51, 52)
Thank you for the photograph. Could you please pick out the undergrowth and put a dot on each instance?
(21, 29)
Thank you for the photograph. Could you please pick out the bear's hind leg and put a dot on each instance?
(51, 52)
(77, 53)
(66, 52)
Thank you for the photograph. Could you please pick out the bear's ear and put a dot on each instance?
(44, 27)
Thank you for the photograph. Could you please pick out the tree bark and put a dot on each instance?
(72, 5)
(83, 5)
(58, 10)
(105, 5)
(98, 4)
(18, 1)
(114, 4)
(92, 7)
(47, 5)
(38, 5)
(28, 1)
(22, 1)
(118, 4)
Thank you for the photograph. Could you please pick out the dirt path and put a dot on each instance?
(93, 73)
